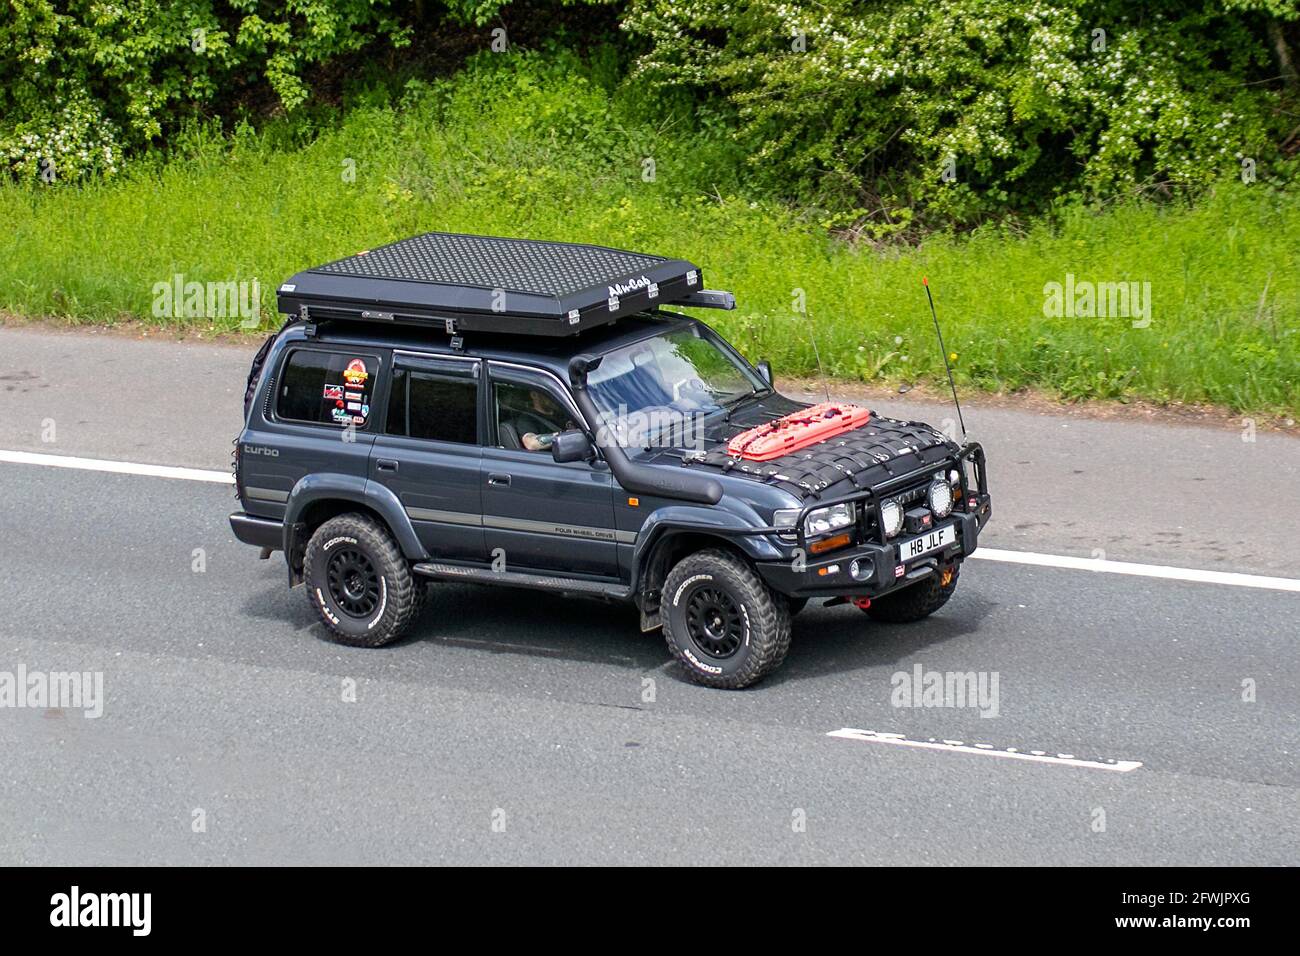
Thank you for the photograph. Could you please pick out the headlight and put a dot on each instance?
(940, 498)
(891, 512)
(826, 520)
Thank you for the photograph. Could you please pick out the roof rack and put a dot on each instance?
(461, 283)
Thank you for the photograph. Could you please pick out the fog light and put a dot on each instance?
(861, 570)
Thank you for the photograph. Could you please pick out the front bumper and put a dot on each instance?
(879, 568)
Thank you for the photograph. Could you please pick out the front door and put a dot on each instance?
(539, 514)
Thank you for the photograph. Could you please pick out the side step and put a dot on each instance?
(522, 579)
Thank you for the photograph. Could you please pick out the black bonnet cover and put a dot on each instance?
(881, 449)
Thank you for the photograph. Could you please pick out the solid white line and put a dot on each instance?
(117, 467)
(1037, 756)
(1141, 570)
(1036, 559)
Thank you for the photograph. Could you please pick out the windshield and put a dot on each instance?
(678, 377)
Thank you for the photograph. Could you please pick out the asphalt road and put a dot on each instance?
(517, 727)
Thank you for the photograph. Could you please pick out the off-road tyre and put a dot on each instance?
(914, 602)
(360, 583)
(715, 592)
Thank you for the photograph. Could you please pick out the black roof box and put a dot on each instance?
(483, 283)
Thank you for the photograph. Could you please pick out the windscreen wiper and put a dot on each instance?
(731, 405)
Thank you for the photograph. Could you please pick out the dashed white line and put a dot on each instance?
(1195, 575)
(117, 467)
(985, 750)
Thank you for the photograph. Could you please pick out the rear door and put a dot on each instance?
(539, 514)
(316, 392)
(429, 453)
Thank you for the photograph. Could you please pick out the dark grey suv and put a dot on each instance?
(511, 412)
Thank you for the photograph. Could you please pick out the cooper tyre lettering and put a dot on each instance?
(722, 623)
(361, 584)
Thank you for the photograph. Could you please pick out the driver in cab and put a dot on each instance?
(535, 426)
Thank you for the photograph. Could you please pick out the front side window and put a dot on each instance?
(527, 417)
(433, 406)
(327, 388)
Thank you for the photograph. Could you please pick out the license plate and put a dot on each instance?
(925, 543)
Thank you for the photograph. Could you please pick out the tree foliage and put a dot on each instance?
(869, 109)
(970, 106)
(84, 82)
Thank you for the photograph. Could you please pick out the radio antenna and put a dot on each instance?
(818, 356)
(944, 349)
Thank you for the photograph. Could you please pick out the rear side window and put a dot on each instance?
(438, 407)
(327, 388)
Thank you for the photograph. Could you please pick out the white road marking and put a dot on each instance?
(986, 750)
(1034, 558)
(1141, 570)
(117, 467)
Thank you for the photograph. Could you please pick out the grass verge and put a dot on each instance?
(526, 146)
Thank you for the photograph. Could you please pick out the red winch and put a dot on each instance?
(797, 430)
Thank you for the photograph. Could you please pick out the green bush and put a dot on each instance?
(83, 83)
(886, 117)
(954, 111)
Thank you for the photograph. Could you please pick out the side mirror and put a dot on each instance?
(573, 445)
(765, 372)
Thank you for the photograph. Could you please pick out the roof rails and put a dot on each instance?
(461, 283)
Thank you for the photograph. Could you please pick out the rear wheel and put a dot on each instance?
(722, 622)
(916, 601)
(359, 581)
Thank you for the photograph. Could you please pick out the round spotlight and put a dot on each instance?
(940, 498)
(891, 512)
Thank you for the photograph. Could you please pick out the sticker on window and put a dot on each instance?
(333, 393)
(355, 374)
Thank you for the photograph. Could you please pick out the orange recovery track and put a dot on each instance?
(797, 430)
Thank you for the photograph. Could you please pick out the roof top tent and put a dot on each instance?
(461, 283)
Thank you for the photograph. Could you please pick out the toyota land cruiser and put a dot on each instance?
(503, 411)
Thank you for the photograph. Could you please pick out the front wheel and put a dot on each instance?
(359, 581)
(722, 622)
(916, 601)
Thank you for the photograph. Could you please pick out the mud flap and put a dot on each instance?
(651, 620)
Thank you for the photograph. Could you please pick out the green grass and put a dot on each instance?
(536, 148)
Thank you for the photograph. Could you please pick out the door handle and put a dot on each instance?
(385, 464)
(499, 480)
